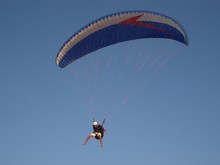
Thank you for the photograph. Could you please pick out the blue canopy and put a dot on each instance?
(119, 27)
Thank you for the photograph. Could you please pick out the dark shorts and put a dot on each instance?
(96, 135)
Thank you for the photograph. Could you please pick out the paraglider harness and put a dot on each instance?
(99, 129)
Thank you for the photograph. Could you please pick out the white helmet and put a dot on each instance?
(95, 123)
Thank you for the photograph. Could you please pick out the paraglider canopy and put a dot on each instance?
(119, 27)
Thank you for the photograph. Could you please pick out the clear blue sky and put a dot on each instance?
(174, 119)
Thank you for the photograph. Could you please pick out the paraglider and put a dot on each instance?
(98, 133)
(113, 29)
